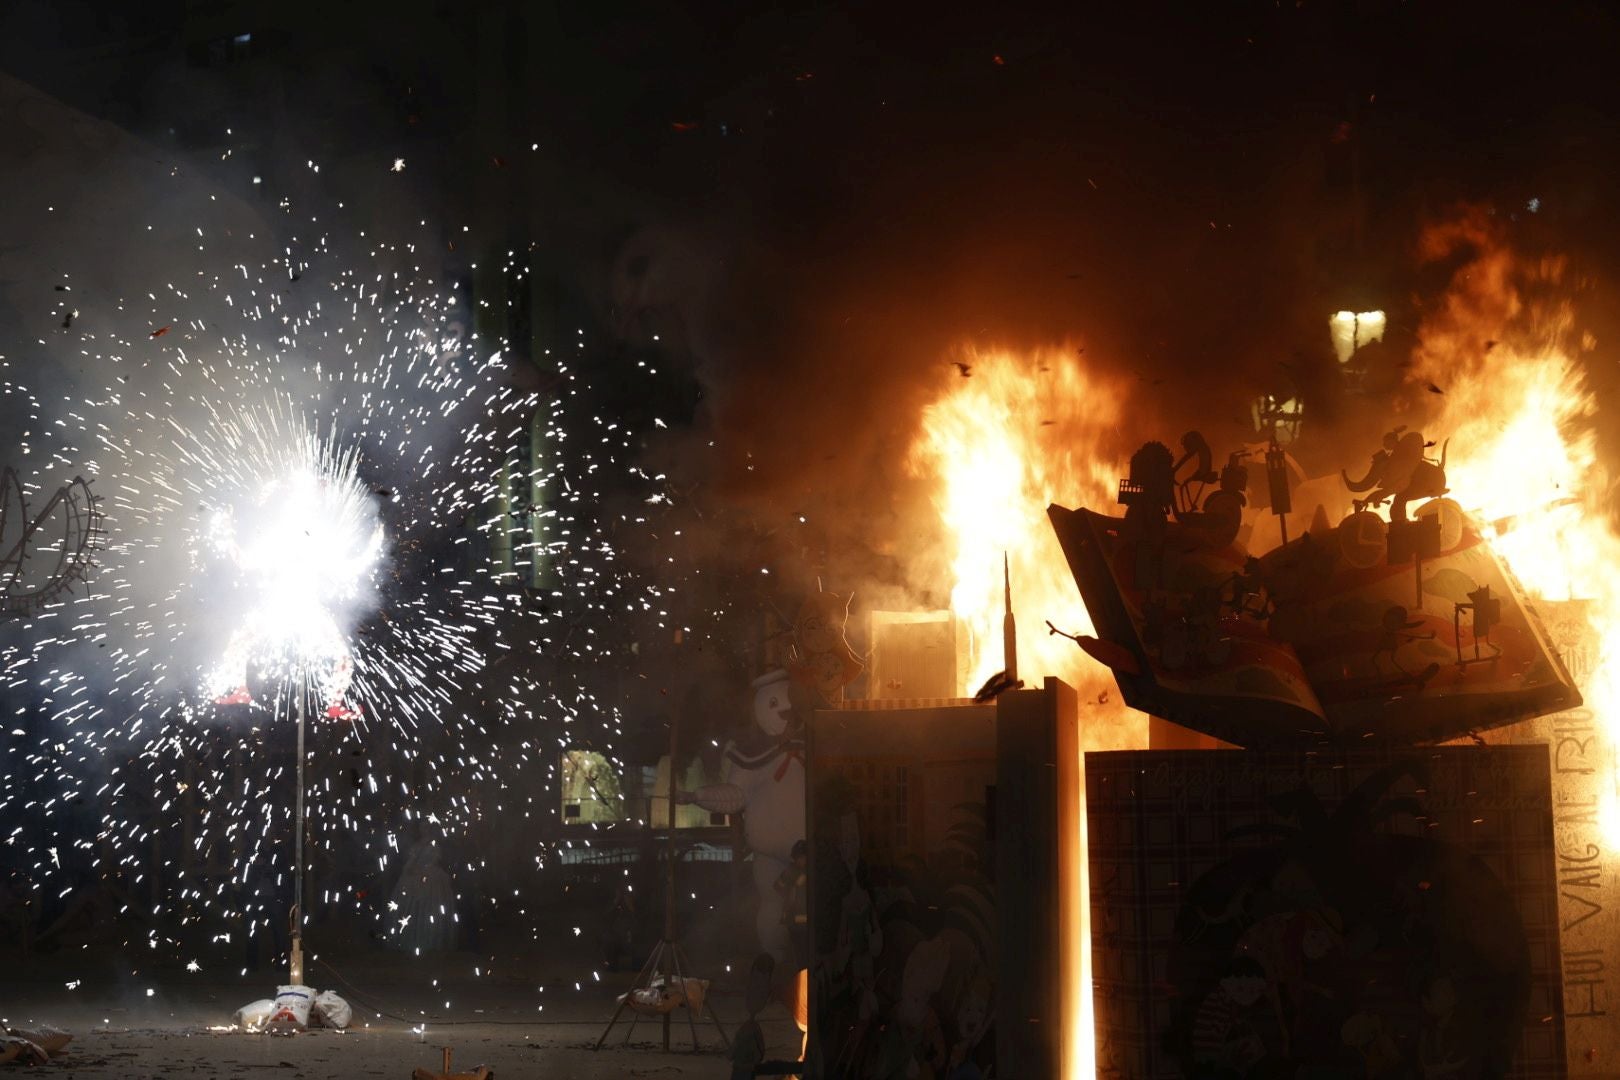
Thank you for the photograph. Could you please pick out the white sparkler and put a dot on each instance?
(298, 532)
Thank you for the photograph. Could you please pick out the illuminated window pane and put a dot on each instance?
(1353, 329)
(590, 788)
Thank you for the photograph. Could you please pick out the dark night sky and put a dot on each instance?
(812, 204)
(894, 190)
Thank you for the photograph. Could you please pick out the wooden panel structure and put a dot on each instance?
(1581, 756)
(1037, 849)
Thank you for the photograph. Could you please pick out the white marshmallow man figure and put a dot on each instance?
(764, 774)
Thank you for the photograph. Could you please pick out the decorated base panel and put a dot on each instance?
(1346, 914)
(903, 915)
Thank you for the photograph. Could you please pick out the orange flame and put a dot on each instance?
(1021, 430)
(1520, 415)
(1017, 432)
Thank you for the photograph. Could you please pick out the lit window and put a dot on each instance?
(1353, 329)
(590, 788)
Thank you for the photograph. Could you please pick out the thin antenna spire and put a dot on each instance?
(1009, 626)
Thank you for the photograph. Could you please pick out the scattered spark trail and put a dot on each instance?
(312, 463)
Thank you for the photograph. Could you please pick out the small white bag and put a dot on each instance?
(254, 1015)
(292, 1007)
(332, 1011)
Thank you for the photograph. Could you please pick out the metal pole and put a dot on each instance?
(669, 860)
(296, 956)
(669, 843)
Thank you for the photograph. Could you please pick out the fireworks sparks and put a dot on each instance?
(294, 533)
(313, 468)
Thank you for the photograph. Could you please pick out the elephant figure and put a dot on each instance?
(1400, 471)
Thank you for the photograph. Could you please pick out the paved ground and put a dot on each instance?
(170, 1024)
(140, 1054)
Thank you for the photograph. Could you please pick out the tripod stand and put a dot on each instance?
(667, 958)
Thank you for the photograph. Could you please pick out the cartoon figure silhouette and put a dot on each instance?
(1287, 944)
(1401, 472)
(1195, 446)
(1245, 592)
(1226, 1029)
(1364, 1033)
(1148, 496)
(1439, 1048)
(1214, 521)
(1394, 632)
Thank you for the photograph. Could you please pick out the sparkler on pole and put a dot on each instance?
(295, 951)
(209, 411)
(298, 540)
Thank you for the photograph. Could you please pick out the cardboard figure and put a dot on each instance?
(1148, 495)
(1396, 630)
(913, 1040)
(1214, 521)
(823, 659)
(764, 782)
(792, 886)
(1402, 473)
(853, 967)
(1442, 1050)
(974, 1014)
(1225, 1035)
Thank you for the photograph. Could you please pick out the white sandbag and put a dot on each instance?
(292, 1007)
(254, 1015)
(49, 1039)
(331, 1011)
(651, 998)
(663, 995)
(17, 1048)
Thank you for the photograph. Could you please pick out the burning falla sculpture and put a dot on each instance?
(1407, 628)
